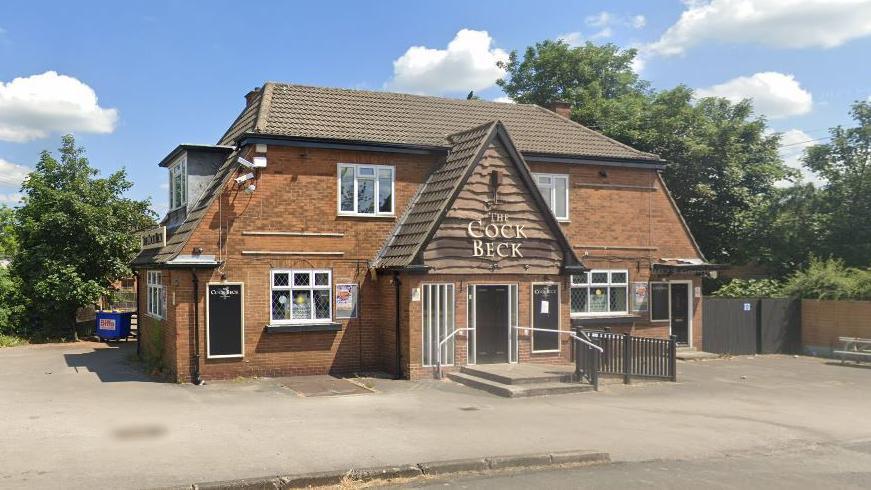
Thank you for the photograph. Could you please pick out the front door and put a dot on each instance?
(680, 311)
(491, 324)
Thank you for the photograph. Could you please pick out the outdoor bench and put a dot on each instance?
(856, 348)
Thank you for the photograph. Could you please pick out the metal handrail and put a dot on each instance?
(570, 333)
(439, 350)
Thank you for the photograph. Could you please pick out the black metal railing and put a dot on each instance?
(629, 356)
(587, 360)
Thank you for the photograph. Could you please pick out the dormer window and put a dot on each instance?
(178, 189)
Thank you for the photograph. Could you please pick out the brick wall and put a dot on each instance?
(823, 321)
(297, 192)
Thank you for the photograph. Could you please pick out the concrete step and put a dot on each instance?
(521, 390)
(517, 378)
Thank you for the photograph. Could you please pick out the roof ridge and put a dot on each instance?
(451, 136)
(264, 107)
(593, 132)
(399, 94)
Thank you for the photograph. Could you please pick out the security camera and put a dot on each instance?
(244, 178)
(250, 189)
(245, 162)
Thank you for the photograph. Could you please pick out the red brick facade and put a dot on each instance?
(616, 221)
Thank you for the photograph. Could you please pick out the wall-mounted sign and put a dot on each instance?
(225, 336)
(346, 300)
(153, 238)
(494, 236)
(639, 296)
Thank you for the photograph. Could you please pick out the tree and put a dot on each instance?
(75, 234)
(845, 164)
(722, 163)
(8, 244)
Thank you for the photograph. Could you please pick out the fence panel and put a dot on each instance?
(780, 326)
(730, 325)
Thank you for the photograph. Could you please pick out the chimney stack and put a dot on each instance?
(562, 108)
(249, 97)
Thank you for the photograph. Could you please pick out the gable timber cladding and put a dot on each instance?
(294, 209)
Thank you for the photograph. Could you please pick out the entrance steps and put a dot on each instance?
(520, 380)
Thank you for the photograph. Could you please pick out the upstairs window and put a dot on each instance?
(365, 190)
(178, 189)
(555, 190)
(600, 292)
(301, 296)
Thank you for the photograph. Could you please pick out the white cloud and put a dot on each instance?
(792, 145)
(638, 21)
(12, 174)
(571, 38)
(776, 23)
(601, 19)
(774, 94)
(14, 198)
(504, 99)
(468, 63)
(34, 107)
(605, 32)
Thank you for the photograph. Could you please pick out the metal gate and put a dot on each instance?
(751, 325)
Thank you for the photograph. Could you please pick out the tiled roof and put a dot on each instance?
(430, 202)
(392, 118)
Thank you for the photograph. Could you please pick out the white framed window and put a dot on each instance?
(660, 302)
(301, 296)
(600, 292)
(178, 188)
(365, 190)
(156, 294)
(438, 323)
(555, 190)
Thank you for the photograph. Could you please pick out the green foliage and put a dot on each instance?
(11, 307)
(11, 340)
(75, 235)
(722, 163)
(8, 243)
(829, 279)
(751, 288)
(845, 201)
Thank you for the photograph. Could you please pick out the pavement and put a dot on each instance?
(85, 416)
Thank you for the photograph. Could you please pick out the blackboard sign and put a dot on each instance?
(224, 320)
(545, 314)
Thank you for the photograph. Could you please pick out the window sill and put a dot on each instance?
(370, 216)
(304, 327)
(605, 320)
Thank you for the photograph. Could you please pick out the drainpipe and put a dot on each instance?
(138, 318)
(195, 370)
(396, 284)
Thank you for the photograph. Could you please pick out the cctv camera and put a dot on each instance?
(250, 189)
(245, 162)
(244, 178)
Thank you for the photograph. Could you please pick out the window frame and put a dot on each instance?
(376, 191)
(178, 169)
(155, 299)
(551, 189)
(427, 352)
(589, 284)
(311, 288)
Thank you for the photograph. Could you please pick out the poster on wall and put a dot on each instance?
(346, 300)
(639, 296)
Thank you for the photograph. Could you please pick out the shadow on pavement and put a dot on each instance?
(110, 364)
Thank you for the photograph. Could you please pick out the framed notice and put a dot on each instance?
(639, 293)
(225, 333)
(346, 300)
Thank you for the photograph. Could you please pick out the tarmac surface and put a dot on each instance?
(84, 415)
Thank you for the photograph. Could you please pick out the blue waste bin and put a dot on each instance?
(113, 325)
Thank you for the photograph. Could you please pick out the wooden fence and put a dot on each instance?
(823, 321)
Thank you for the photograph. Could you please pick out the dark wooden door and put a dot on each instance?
(680, 312)
(491, 324)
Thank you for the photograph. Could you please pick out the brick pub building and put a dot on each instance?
(342, 231)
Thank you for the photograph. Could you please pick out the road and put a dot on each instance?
(814, 466)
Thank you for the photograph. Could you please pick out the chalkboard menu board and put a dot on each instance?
(224, 320)
(545, 314)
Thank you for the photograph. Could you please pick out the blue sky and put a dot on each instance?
(133, 79)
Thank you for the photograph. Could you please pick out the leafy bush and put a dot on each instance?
(829, 279)
(751, 288)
